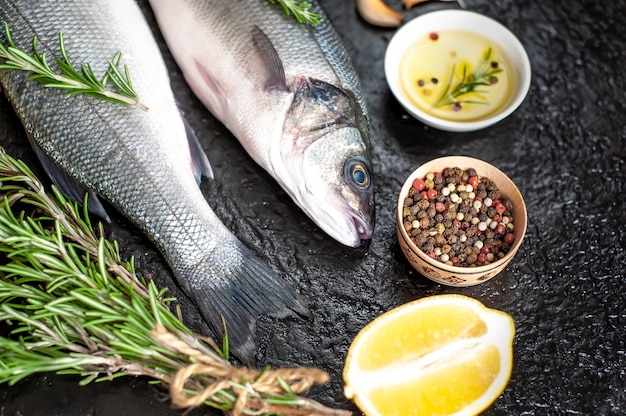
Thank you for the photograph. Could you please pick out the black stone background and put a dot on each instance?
(566, 288)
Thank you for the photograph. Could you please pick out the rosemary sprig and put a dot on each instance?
(69, 304)
(300, 10)
(483, 76)
(70, 79)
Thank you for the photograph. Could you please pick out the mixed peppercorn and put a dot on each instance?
(458, 218)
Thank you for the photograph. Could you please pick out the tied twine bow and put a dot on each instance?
(210, 374)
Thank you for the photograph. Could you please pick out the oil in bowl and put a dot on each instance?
(456, 75)
(457, 70)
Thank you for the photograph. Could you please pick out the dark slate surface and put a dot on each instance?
(566, 289)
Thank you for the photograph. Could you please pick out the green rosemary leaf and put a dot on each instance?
(91, 77)
(299, 10)
(123, 82)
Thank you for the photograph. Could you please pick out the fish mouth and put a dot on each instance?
(348, 221)
(348, 227)
(362, 227)
(357, 230)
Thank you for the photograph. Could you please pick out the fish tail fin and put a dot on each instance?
(252, 289)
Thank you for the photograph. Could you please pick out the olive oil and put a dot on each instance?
(456, 75)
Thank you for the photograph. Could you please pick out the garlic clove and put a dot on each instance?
(410, 3)
(377, 13)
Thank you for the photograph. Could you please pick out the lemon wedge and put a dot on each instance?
(439, 355)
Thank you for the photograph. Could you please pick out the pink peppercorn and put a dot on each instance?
(486, 249)
(456, 223)
(440, 206)
(509, 238)
(419, 184)
(431, 193)
(500, 208)
(433, 35)
(455, 260)
(431, 254)
(482, 257)
(500, 228)
(473, 180)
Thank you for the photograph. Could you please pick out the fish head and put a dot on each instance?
(338, 187)
(326, 161)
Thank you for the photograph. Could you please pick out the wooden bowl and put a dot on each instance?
(460, 275)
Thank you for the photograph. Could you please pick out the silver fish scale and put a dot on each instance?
(337, 56)
(333, 52)
(92, 140)
(139, 161)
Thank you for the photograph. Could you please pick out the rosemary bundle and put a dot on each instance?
(70, 305)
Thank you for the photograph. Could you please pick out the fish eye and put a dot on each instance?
(357, 171)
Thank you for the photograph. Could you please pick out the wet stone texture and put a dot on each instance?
(566, 289)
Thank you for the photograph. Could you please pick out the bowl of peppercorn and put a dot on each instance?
(457, 70)
(460, 220)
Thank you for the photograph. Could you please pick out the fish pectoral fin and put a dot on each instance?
(200, 164)
(272, 69)
(69, 186)
(248, 291)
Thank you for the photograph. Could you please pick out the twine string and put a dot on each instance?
(211, 374)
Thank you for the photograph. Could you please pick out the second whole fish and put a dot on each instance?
(146, 164)
(289, 93)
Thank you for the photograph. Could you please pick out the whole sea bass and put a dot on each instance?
(289, 93)
(146, 164)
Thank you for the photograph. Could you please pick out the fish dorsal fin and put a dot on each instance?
(272, 66)
(200, 164)
(69, 186)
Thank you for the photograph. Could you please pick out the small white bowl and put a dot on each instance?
(441, 20)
